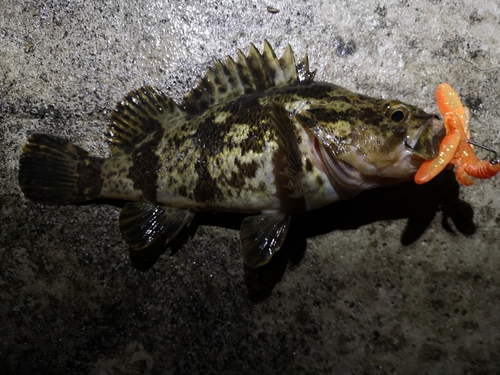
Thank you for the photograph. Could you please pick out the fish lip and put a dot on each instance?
(426, 145)
(436, 123)
(438, 126)
(439, 131)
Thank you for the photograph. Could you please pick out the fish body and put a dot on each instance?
(258, 135)
(227, 158)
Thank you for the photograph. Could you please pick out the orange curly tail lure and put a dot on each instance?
(456, 147)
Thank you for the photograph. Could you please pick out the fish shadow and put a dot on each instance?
(417, 203)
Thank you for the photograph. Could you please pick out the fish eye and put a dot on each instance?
(396, 111)
(397, 116)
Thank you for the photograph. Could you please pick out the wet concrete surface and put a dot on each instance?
(401, 280)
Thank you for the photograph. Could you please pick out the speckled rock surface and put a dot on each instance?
(402, 280)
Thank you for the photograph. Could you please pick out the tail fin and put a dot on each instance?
(53, 170)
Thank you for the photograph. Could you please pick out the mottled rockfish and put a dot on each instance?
(257, 135)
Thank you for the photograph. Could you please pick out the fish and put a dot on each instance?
(258, 135)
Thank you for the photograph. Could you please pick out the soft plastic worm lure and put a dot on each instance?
(456, 147)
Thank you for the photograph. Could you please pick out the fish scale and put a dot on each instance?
(257, 135)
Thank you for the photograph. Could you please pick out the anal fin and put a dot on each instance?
(142, 224)
(262, 236)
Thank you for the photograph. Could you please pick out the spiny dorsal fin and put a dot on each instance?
(287, 63)
(147, 109)
(255, 72)
(139, 114)
(305, 75)
(274, 67)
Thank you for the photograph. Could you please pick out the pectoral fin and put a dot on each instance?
(262, 236)
(142, 224)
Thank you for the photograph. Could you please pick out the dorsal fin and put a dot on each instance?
(145, 110)
(255, 72)
(139, 114)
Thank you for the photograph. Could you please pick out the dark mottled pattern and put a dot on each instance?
(145, 165)
(320, 181)
(241, 172)
(89, 181)
(248, 110)
(182, 191)
(306, 121)
(231, 136)
(310, 91)
(211, 156)
(252, 142)
(209, 137)
(309, 165)
(206, 189)
(341, 119)
(212, 147)
(139, 114)
(368, 115)
(247, 170)
(139, 123)
(288, 204)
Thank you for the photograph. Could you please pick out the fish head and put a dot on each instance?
(365, 142)
(423, 131)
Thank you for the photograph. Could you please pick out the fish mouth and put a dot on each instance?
(424, 142)
(354, 174)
